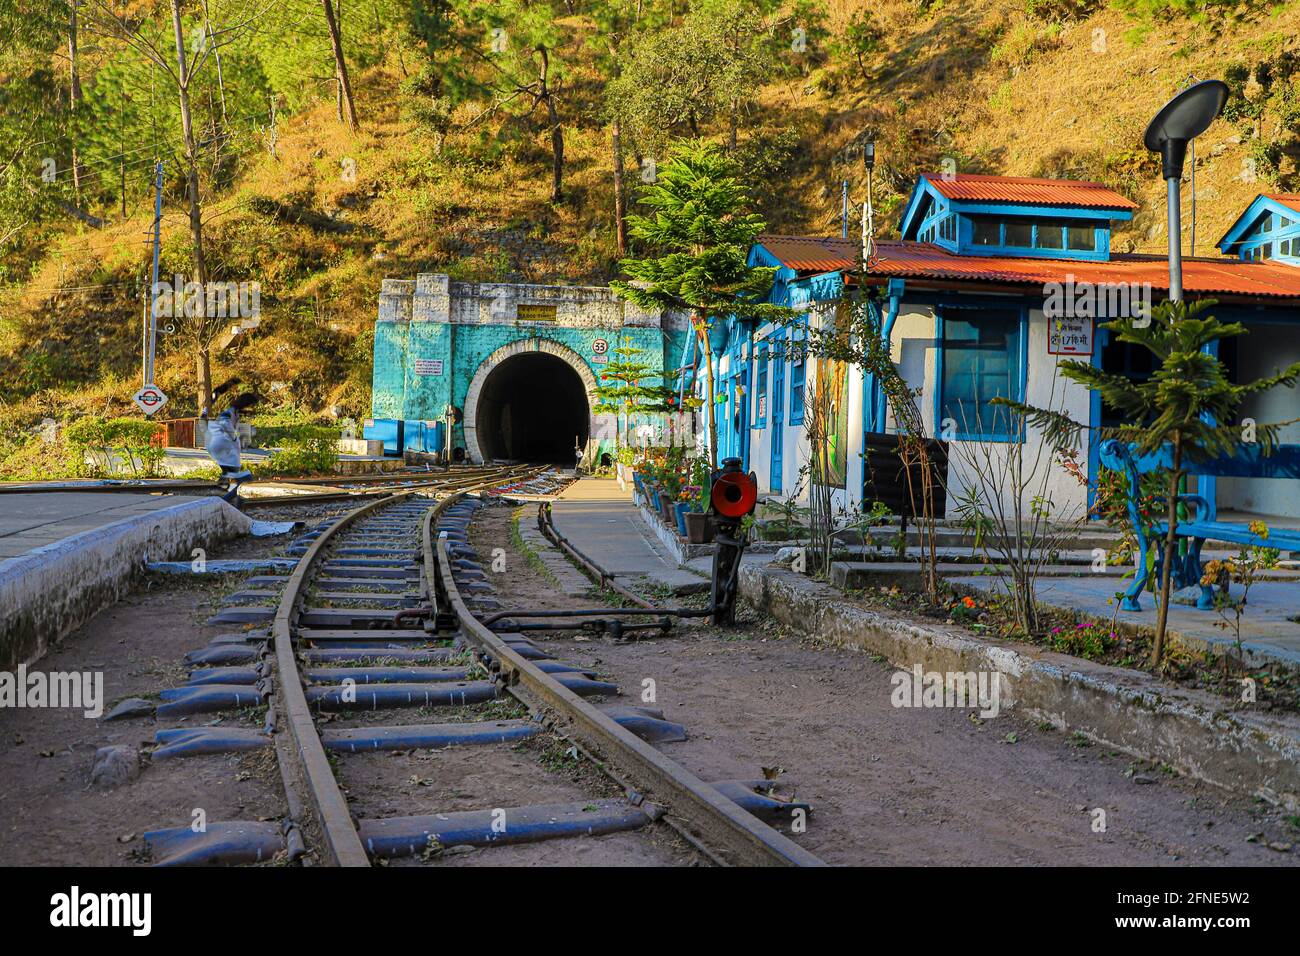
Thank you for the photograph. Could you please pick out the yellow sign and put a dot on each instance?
(528, 312)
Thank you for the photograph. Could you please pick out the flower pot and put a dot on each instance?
(679, 512)
(666, 509)
(699, 529)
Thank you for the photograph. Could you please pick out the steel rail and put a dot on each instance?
(331, 807)
(435, 484)
(731, 835)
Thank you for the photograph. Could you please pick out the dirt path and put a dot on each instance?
(901, 785)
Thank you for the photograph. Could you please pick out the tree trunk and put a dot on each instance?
(74, 95)
(200, 322)
(203, 375)
(216, 54)
(1171, 545)
(620, 196)
(340, 65)
(557, 132)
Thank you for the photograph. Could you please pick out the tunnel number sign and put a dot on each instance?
(600, 350)
(428, 366)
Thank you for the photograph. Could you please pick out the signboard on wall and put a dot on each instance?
(428, 366)
(532, 312)
(1069, 335)
(600, 351)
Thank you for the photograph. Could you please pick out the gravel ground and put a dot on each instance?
(929, 786)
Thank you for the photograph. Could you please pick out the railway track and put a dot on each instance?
(389, 617)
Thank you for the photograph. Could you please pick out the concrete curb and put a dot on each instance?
(1125, 709)
(571, 581)
(52, 590)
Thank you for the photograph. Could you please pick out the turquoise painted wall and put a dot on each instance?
(399, 392)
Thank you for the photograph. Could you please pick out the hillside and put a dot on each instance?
(984, 83)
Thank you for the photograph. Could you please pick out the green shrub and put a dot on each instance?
(301, 449)
(134, 439)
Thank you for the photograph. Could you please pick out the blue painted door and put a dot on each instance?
(778, 414)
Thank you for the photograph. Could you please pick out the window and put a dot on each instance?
(987, 232)
(1051, 235)
(1020, 233)
(798, 375)
(760, 394)
(981, 361)
(1083, 238)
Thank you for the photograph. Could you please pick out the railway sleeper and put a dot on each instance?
(383, 696)
(200, 741)
(757, 798)
(648, 723)
(385, 675)
(378, 574)
(330, 655)
(234, 674)
(426, 736)
(221, 654)
(224, 843)
(373, 637)
(210, 698)
(393, 837)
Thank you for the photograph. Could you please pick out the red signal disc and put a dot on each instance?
(734, 494)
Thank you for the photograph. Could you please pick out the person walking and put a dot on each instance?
(222, 444)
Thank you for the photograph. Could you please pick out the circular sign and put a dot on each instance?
(600, 346)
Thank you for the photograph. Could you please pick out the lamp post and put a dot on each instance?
(868, 213)
(1182, 119)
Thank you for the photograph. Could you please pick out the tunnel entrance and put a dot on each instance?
(533, 407)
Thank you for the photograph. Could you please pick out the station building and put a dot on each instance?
(965, 295)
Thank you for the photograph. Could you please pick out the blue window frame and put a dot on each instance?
(982, 357)
(760, 391)
(798, 375)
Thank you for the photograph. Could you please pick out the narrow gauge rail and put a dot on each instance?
(383, 562)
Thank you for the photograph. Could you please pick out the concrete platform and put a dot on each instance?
(30, 520)
(603, 523)
(66, 556)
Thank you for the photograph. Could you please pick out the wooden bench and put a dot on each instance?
(1248, 462)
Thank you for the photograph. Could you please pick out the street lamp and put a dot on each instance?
(868, 212)
(1182, 119)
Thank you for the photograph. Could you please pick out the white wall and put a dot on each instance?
(914, 350)
(1266, 350)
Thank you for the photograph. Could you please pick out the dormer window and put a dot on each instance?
(1268, 229)
(1033, 234)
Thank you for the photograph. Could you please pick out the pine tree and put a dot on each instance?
(626, 393)
(1189, 403)
(700, 234)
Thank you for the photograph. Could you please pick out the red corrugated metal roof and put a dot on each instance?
(922, 260)
(1036, 192)
(812, 253)
(1290, 200)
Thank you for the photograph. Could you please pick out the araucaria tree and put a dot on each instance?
(699, 234)
(1189, 403)
(624, 388)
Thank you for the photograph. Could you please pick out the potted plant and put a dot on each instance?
(699, 527)
(680, 507)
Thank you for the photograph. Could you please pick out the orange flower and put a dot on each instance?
(968, 601)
